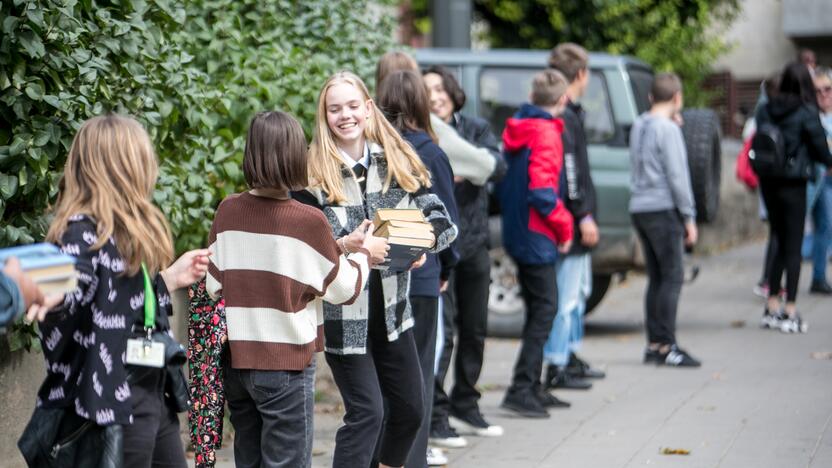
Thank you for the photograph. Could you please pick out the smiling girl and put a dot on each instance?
(358, 164)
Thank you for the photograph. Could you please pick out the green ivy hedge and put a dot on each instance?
(193, 72)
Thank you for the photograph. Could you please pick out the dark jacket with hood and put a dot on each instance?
(472, 200)
(803, 134)
(577, 188)
(424, 281)
(535, 219)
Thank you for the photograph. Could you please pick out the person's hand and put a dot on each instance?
(353, 241)
(38, 311)
(187, 269)
(418, 263)
(459, 179)
(564, 247)
(443, 285)
(377, 246)
(589, 232)
(691, 233)
(28, 289)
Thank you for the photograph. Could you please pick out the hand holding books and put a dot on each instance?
(410, 237)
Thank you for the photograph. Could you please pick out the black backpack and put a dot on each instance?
(768, 151)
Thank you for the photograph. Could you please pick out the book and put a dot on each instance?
(52, 270)
(408, 235)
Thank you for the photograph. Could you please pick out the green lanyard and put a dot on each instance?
(149, 302)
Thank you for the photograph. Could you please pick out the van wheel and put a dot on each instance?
(506, 309)
(702, 141)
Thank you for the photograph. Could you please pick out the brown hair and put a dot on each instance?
(665, 86)
(569, 58)
(404, 100)
(325, 163)
(548, 87)
(449, 84)
(393, 61)
(110, 174)
(275, 155)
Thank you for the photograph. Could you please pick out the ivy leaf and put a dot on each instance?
(34, 91)
(8, 186)
(31, 43)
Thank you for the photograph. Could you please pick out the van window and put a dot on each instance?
(641, 81)
(503, 90)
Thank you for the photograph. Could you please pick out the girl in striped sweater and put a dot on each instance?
(274, 261)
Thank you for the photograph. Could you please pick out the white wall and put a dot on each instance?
(759, 45)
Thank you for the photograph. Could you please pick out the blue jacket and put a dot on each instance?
(11, 301)
(425, 281)
(535, 219)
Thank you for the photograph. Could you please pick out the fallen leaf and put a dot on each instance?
(821, 355)
(738, 323)
(674, 451)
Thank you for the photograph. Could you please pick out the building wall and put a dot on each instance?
(759, 44)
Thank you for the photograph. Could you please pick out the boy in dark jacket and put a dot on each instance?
(574, 270)
(536, 228)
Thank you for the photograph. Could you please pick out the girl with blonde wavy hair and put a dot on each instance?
(122, 245)
(359, 164)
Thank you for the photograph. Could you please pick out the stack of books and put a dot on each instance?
(408, 234)
(53, 271)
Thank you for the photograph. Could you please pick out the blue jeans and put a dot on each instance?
(574, 277)
(822, 221)
(272, 414)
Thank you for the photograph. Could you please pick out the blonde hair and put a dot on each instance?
(109, 175)
(548, 87)
(325, 163)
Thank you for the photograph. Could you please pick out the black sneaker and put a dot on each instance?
(550, 401)
(652, 356)
(580, 368)
(677, 357)
(558, 377)
(443, 435)
(472, 422)
(524, 404)
(820, 287)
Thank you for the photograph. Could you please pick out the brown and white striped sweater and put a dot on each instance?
(274, 262)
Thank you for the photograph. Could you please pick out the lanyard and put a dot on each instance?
(149, 302)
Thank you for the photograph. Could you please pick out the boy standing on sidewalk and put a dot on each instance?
(662, 208)
(574, 270)
(536, 227)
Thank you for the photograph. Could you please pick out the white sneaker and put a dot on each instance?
(435, 457)
(444, 436)
(793, 324)
(477, 427)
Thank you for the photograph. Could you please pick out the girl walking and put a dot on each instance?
(274, 261)
(358, 164)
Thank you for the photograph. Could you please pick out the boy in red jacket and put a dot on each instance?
(537, 227)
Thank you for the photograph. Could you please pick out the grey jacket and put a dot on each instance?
(659, 174)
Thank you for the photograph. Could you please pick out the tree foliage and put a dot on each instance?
(193, 72)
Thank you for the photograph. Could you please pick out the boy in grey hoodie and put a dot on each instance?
(664, 215)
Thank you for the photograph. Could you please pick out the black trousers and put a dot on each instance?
(786, 204)
(385, 379)
(465, 314)
(662, 235)
(153, 438)
(538, 284)
(426, 314)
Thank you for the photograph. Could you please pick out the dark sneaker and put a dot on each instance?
(677, 357)
(580, 368)
(443, 435)
(524, 404)
(820, 287)
(793, 324)
(550, 401)
(472, 422)
(652, 356)
(558, 377)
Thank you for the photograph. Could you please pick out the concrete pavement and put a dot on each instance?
(761, 399)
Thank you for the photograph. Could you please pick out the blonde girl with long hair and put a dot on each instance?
(122, 245)
(358, 164)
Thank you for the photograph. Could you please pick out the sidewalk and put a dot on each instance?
(761, 399)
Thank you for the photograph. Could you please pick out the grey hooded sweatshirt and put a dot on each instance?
(659, 174)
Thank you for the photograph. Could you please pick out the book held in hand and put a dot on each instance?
(52, 270)
(407, 233)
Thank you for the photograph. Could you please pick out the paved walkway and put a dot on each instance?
(761, 399)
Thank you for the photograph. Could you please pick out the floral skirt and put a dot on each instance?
(207, 338)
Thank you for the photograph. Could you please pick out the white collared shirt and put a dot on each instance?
(350, 162)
